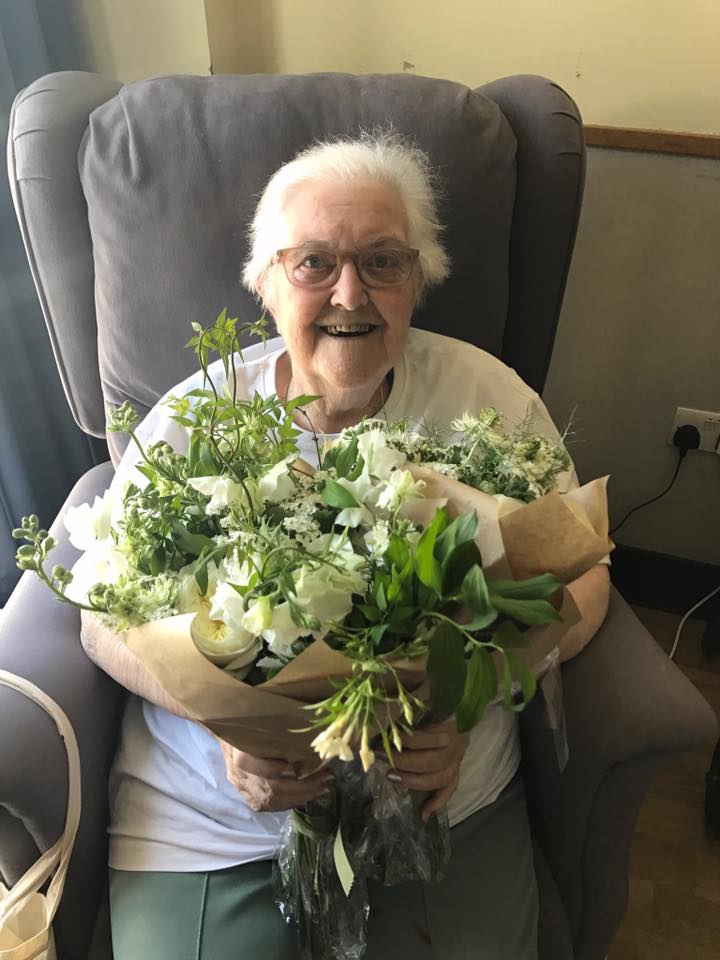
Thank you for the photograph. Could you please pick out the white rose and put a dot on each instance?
(222, 643)
(190, 600)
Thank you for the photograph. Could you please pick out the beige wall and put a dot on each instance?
(640, 335)
(132, 39)
(644, 63)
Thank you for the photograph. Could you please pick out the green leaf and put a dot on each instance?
(336, 495)
(481, 685)
(377, 633)
(398, 551)
(462, 530)
(481, 620)
(190, 543)
(446, 669)
(304, 400)
(508, 635)
(463, 557)
(346, 458)
(532, 612)
(474, 591)
(201, 578)
(380, 598)
(147, 471)
(524, 674)
(427, 566)
(369, 612)
(157, 561)
(357, 469)
(534, 588)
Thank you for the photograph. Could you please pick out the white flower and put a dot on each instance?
(305, 528)
(366, 755)
(365, 491)
(258, 616)
(223, 643)
(334, 741)
(400, 487)
(276, 484)
(378, 538)
(323, 592)
(228, 606)
(223, 492)
(90, 525)
(190, 600)
(380, 459)
(282, 632)
(102, 563)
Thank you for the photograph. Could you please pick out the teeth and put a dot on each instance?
(355, 328)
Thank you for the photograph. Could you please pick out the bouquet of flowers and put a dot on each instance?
(318, 614)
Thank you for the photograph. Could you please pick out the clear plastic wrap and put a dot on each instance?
(320, 885)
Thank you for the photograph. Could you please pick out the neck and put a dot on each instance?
(333, 411)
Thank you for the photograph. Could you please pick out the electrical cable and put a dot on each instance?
(646, 503)
(684, 619)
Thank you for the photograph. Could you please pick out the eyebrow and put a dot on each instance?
(380, 242)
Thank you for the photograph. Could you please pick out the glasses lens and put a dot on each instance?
(385, 268)
(308, 267)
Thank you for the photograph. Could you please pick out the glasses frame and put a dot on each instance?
(342, 257)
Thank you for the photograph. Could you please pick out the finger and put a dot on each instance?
(439, 800)
(262, 767)
(427, 781)
(423, 761)
(287, 794)
(426, 739)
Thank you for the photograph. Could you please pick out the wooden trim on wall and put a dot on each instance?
(653, 141)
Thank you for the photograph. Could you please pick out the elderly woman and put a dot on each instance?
(345, 241)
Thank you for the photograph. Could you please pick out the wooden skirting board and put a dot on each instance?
(653, 141)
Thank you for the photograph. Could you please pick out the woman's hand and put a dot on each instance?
(430, 761)
(270, 785)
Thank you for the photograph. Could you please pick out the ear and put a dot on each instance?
(263, 288)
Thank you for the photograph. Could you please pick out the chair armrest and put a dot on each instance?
(40, 640)
(627, 708)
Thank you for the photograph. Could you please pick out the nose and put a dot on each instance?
(349, 292)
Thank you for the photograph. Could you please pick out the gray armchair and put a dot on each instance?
(133, 203)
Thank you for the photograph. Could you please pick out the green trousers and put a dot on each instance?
(486, 908)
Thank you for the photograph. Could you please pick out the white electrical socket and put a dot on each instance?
(707, 422)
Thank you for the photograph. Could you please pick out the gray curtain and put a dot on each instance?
(42, 451)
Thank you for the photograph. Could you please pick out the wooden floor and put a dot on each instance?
(674, 908)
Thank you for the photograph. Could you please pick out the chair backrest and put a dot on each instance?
(170, 169)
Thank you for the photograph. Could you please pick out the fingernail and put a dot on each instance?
(288, 775)
(394, 777)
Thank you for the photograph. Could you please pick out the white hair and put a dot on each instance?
(381, 158)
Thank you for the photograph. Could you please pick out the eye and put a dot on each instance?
(312, 266)
(386, 266)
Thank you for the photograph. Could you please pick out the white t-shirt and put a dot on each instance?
(172, 807)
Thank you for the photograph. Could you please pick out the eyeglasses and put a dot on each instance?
(320, 267)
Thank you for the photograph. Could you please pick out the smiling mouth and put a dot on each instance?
(349, 330)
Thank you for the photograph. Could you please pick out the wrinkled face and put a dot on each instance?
(374, 322)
